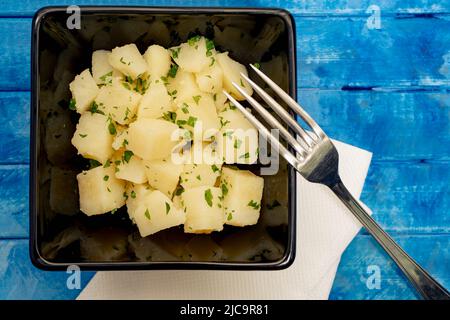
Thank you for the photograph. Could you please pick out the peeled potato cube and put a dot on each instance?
(210, 79)
(238, 138)
(152, 211)
(84, 90)
(232, 73)
(202, 167)
(129, 167)
(242, 193)
(199, 116)
(193, 56)
(92, 138)
(118, 101)
(128, 60)
(158, 61)
(163, 175)
(152, 139)
(102, 71)
(100, 191)
(121, 138)
(155, 102)
(183, 87)
(204, 211)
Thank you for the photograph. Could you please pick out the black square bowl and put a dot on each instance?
(60, 235)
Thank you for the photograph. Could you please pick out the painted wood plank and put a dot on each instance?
(14, 206)
(393, 125)
(333, 53)
(363, 256)
(14, 127)
(19, 279)
(405, 198)
(339, 7)
(409, 197)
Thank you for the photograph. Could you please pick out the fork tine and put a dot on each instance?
(281, 112)
(291, 103)
(272, 121)
(285, 153)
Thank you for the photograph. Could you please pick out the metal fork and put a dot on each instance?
(317, 160)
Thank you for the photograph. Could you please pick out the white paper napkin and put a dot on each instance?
(324, 230)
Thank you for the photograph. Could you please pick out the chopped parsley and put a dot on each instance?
(127, 155)
(196, 99)
(175, 52)
(215, 168)
(244, 156)
(112, 128)
(185, 108)
(191, 121)
(224, 189)
(72, 104)
(199, 178)
(192, 41)
(237, 143)
(106, 75)
(255, 205)
(170, 116)
(83, 135)
(208, 197)
(94, 164)
(133, 194)
(212, 61)
(147, 214)
(230, 216)
(167, 208)
(106, 178)
(257, 65)
(209, 47)
(173, 71)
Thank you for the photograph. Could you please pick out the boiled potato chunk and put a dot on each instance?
(204, 211)
(102, 71)
(199, 116)
(92, 137)
(129, 167)
(128, 60)
(84, 90)
(238, 138)
(155, 102)
(100, 191)
(158, 61)
(202, 167)
(152, 139)
(193, 56)
(118, 101)
(183, 87)
(232, 73)
(242, 194)
(163, 175)
(210, 79)
(152, 211)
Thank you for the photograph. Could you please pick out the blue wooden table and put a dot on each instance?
(381, 85)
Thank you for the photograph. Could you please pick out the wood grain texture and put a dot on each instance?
(19, 279)
(353, 274)
(333, 53)
(307, 8)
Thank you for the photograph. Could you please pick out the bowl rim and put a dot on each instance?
(39, 261)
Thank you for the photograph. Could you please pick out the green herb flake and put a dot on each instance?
(191, 121)
(94, 164)
(122, 61)
(212, 61)
(167, 208)
(244, 156)
(170, 116)
(215, 168)
(106, 178)
(257, 65)
(72, 104)
(185, 108)
(192, 41)
(113, 210)
(106, 75)
(133, 194)
(255, 205)
(230, 216)
(147, 214)
(112, 128)
(224, 189)
(175, 52)
(242, 83)
(237, 143)
(107, 164)
(208, 197)
(173, 71)
(127, 155)
(199, 178)
(196, 99)
(83, 135)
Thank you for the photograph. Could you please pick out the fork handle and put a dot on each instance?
(428, 287)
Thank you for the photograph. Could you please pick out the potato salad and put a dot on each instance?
(163, 140)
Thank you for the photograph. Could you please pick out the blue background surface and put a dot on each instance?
(386, 90)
